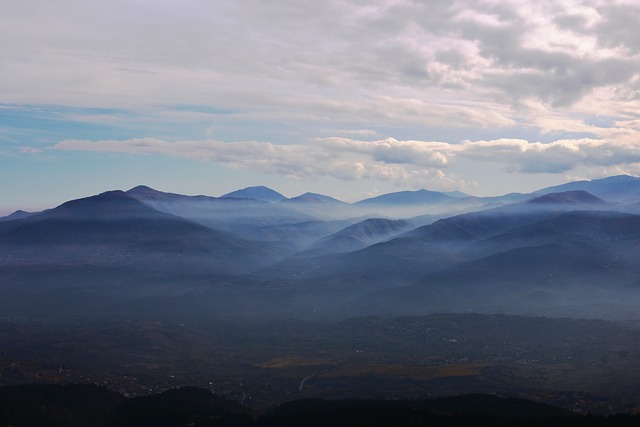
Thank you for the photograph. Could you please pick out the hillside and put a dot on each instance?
(71, 405)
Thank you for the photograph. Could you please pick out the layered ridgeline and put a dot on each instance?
(567, 251)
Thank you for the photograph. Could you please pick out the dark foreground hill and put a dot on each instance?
(87, 405)
(568, 253)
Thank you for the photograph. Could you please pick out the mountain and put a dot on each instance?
(311, 254)
(602, 227)
(561, 219)
(338, 277)
(358, 236)
(321, 206)
(620, 189)
(408, 204)
(456, 194)
(575, 197)
(419, 197)
(250, 218)
(19, 214)
(115, 228)
(555, 265)
(151, 194)
(114, 255)
(372, 229)
(403, 259)
(109, 205)
(259, 192)
(314, 198)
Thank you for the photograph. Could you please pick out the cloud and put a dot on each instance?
(556, 157)
(460, 49)
(30, 150)
(616, 27)
(404, 163)
(338, 157)
(522, 82)
(392, 151)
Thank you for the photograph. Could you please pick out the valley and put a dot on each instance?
(265, 299)
(582, 365)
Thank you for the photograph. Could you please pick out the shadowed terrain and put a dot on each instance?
(266, 299)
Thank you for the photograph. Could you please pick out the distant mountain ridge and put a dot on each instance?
(116, 223)
(142, 192)
(403, 253)
(408, 197)
(314, 198)
(108, 205)
(250, 218)
(613, 189)
(19, 214)
(259, 192)
(567, 197)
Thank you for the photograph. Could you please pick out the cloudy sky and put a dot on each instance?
(348, 98)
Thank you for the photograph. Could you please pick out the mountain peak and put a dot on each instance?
(620, 189)
(107, 204)
(314, 198)
(19, 214)
(567, 197)
(141, 190)
(259, 192)
(408, 197)
(144, 192)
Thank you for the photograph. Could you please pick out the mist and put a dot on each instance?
(183, 270)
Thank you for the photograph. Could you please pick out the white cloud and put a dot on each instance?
(414, 164)
(404, 163)
(503, 75)
(154, 53)
(30, 150)
(556, 157)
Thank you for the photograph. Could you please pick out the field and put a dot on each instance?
(584, 365)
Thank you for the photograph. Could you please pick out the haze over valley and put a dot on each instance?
(263, 298)
(566, 251)
(426, 213)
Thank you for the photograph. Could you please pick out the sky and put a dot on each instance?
(348, 98)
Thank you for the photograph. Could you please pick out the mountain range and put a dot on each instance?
(568, 250)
